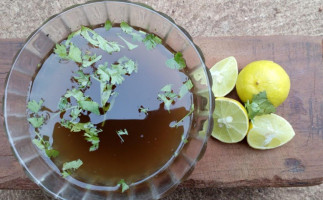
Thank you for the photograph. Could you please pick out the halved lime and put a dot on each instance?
(269, 131)
(231, 121)
(224, 74)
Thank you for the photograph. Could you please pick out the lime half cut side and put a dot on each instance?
(231, 121)
(224, 75)
(269, 131)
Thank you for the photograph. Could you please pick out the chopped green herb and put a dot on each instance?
(99, 41)
(143, 110)
(168, 96)
(75, 113)
(69, 38)
(151, 41)
(77, 94)
(185, 88)
(128, 64)
(108, 25)
(36, 122)
(178, 62)
(34, 107)
(129, 30)
(82, 79)
(90, 60)
(103, 73)
(91, 131)
(69, 167)
(259, 105)
(125, 27)
(129, 45)
(75, 53)
(63, 104)
(122, 132)
(123, 185)
(61, 51)
(44, 145)
(188, 114)
(90, 106)
(116, 72)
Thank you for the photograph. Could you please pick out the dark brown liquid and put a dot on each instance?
(151, 142)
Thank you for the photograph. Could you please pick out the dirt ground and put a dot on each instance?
(200, 18)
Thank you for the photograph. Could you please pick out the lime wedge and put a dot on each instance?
(269, 131)
(231, 121)
(224, 74)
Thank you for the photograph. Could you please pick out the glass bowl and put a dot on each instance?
(37, 47)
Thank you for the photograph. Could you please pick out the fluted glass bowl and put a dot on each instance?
(37, 47)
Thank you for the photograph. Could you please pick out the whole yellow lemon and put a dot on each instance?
(263, 75)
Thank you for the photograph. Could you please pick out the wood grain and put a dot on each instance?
(298, 163)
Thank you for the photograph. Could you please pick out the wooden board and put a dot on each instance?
(298, 163)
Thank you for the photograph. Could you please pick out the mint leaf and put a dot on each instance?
(185, 88)
(75, 53)
(123, 185)
(82, 79)
(129, 45)
(34, 107)
(90, 106)
(108, 25)
(90, 60)
(178, 62)
(69, 167)
(122, 132)
(151, 41)
(36, 122)
(259, 105)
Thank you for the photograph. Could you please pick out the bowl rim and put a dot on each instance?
(149, 9)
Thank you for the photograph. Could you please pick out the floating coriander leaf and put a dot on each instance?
(51, 153)
(90, 106)
(75, 113)
(63, 104)
(129, 30)
(108, 25)
(69, 167)
(259, 105)
(143, 110)
(34, 107)
(103, 73)
(69, 38)
(188, 114)
(128, 64)
(61, 51)
(178, 62)
(125, 27)
(36, 122)
(75, 53)
(44, 145)
(99, 41)
(82, 79)
(123, 185)
(122, 132)
(151, 41)
(77, 94)
(90, 60)
(116, 72)
(167, 96)
(129, 45)
(185, 88)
